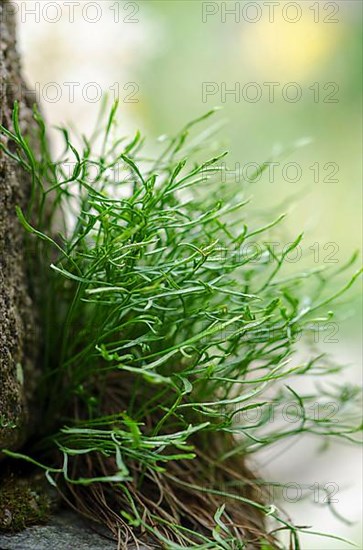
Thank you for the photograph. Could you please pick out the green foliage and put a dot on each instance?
(159, 334)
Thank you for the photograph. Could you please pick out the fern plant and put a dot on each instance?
(160, 337)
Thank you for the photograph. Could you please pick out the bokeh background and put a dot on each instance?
(170, 61)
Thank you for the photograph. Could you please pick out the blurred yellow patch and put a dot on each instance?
(282, 50)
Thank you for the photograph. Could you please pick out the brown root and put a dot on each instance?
(177, 504)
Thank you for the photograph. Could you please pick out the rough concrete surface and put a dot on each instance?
(65, 531)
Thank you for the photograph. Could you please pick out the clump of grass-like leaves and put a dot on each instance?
(158, 335)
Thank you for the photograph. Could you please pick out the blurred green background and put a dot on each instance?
(168, 54)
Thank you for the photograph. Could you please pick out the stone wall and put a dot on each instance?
(18, 341)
